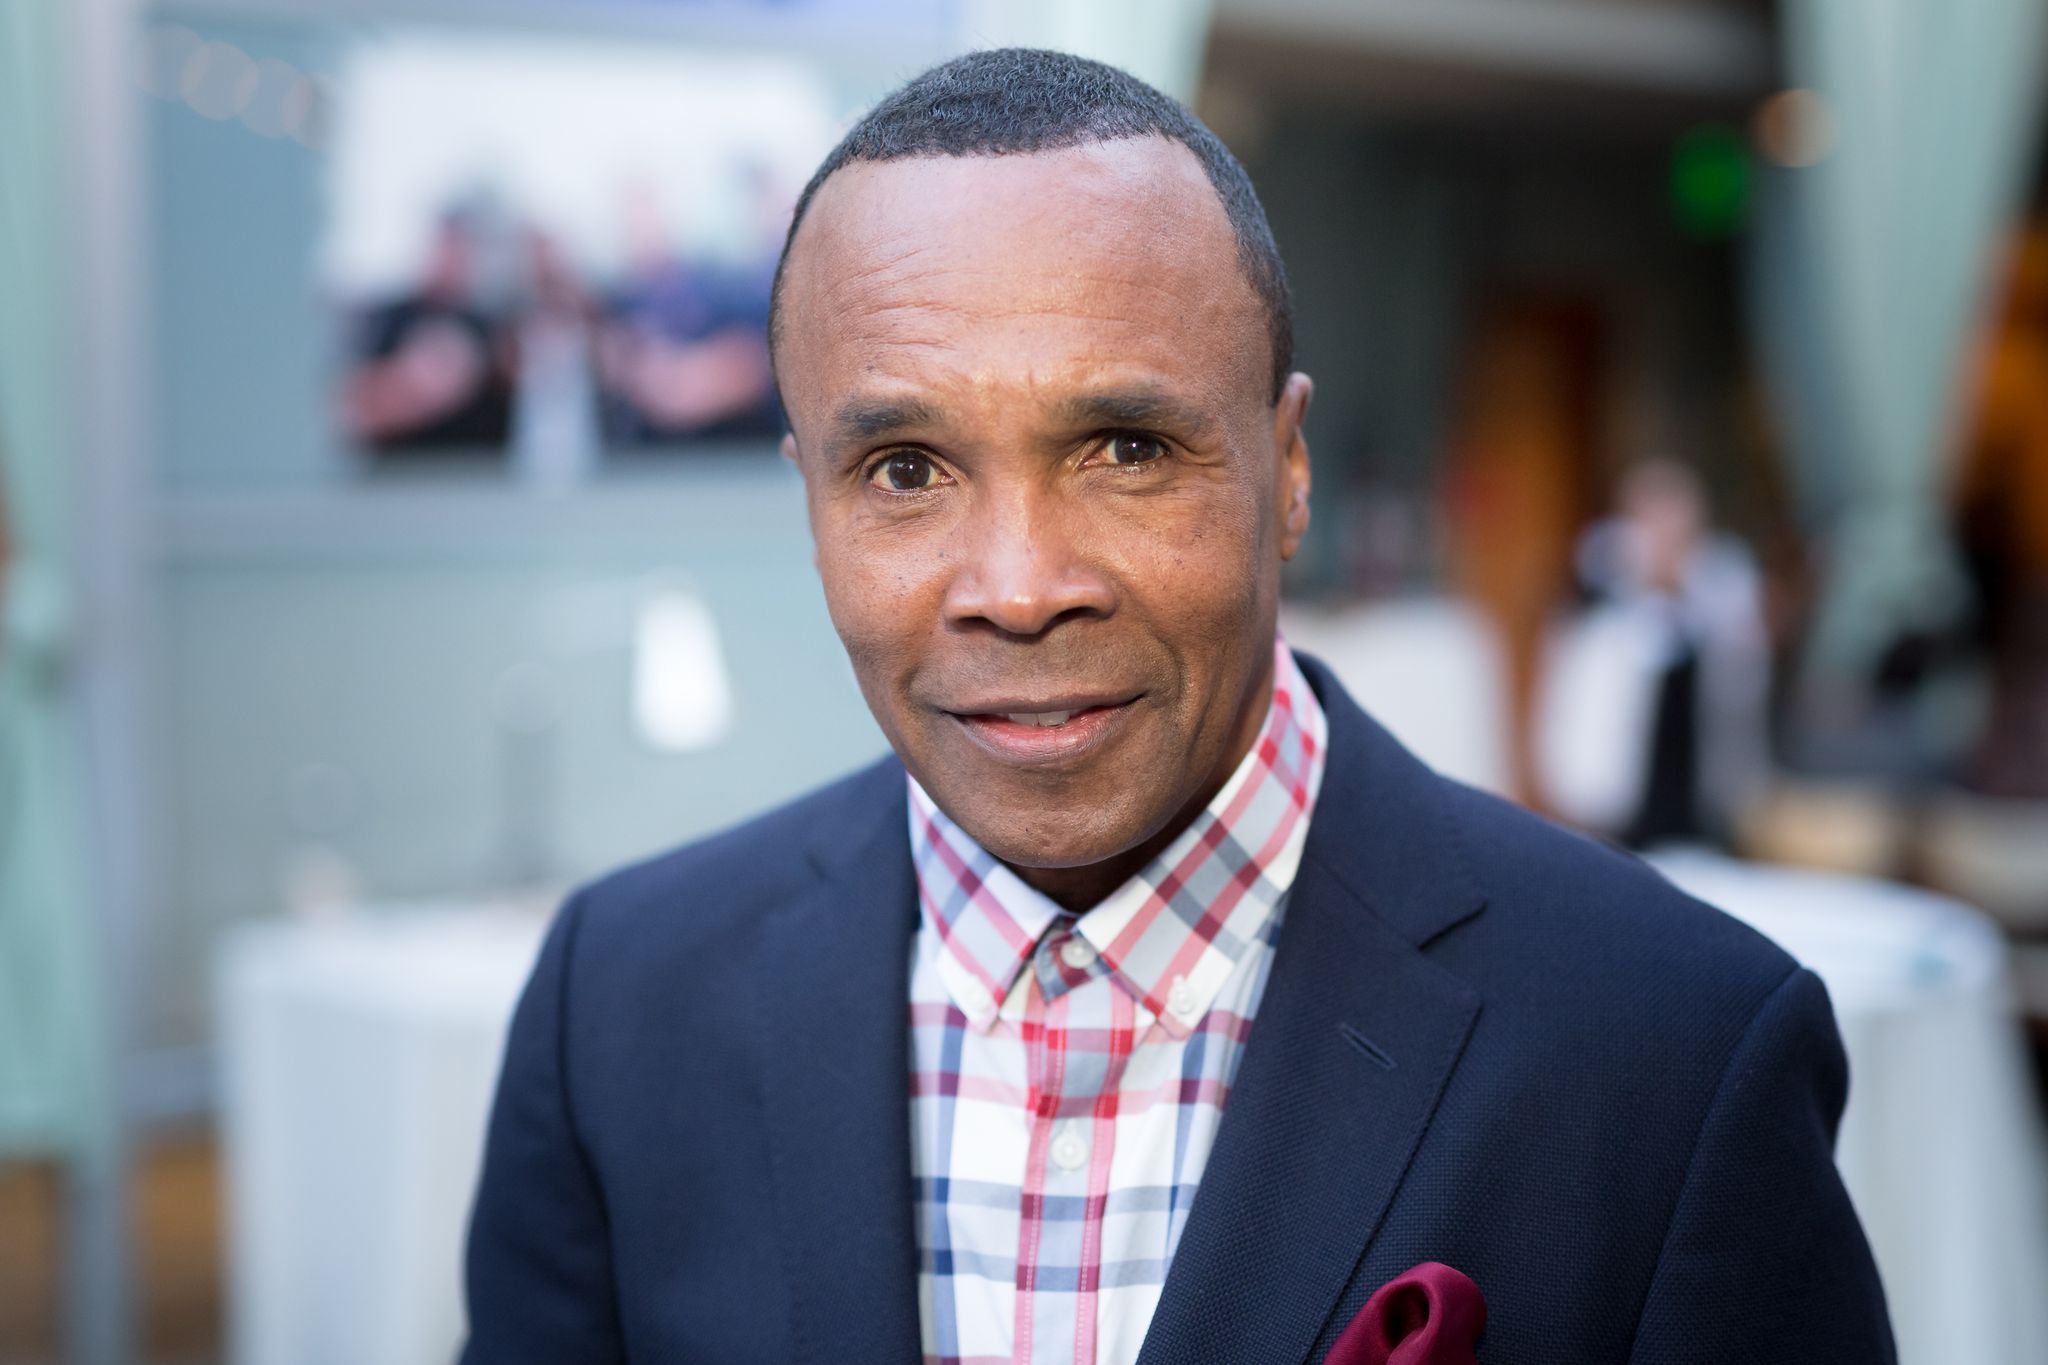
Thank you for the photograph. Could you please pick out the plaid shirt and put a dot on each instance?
(1069, 1072)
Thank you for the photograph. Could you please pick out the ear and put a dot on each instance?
(810, 508)
(1290, 449)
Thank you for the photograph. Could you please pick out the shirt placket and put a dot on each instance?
(1079, 1042)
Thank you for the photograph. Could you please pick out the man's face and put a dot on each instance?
(1031, 400)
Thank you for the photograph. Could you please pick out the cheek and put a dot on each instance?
(882, 597)
(1199, 563)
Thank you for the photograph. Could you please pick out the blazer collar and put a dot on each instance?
(1356, 1038)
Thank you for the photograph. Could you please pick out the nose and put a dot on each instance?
(1023, 565)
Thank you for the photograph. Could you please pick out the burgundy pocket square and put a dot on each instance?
(1430, 1315)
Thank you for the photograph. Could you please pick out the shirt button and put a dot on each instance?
(1077, 953)
(1180, 1000)
(1070, 1149)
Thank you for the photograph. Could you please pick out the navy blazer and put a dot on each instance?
(1484, 1041)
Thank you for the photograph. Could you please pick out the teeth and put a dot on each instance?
(1040, 718)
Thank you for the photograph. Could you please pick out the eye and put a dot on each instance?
(1133, 447)
(904, 471)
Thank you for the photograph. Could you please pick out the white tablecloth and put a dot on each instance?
(1428, 668)
(357, 1063)
(358, 1060)
(1941, 1143)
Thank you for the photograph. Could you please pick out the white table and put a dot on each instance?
(1428, 668)
(1941, 1143)
(359, 1056)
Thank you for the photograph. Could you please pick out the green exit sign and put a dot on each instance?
(1710, 181)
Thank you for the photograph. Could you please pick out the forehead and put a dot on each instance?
(1115, 254)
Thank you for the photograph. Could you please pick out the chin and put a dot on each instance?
(1054, 857)
(1028, 832)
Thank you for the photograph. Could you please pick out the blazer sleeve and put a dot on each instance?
(539, 1269)
(1764, 1261)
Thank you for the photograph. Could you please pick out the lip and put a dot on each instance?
(1095, 722)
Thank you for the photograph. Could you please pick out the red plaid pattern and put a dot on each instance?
(1069, 1071)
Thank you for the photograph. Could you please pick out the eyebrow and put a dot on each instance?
(1133, 408)
(864, 419)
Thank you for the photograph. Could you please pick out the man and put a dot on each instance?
(431, 373)
(1166, 1008)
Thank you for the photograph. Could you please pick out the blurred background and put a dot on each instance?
(391, 535)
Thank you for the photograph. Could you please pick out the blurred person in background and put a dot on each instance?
(1151, 998)
(431, 368)
(2004, 532)
(1690, 599)
(554, 418)
(685, 342)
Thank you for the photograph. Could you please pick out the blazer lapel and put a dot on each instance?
(833, 980)
(1355, 1040)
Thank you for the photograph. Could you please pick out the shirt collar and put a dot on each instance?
(1173, 933)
